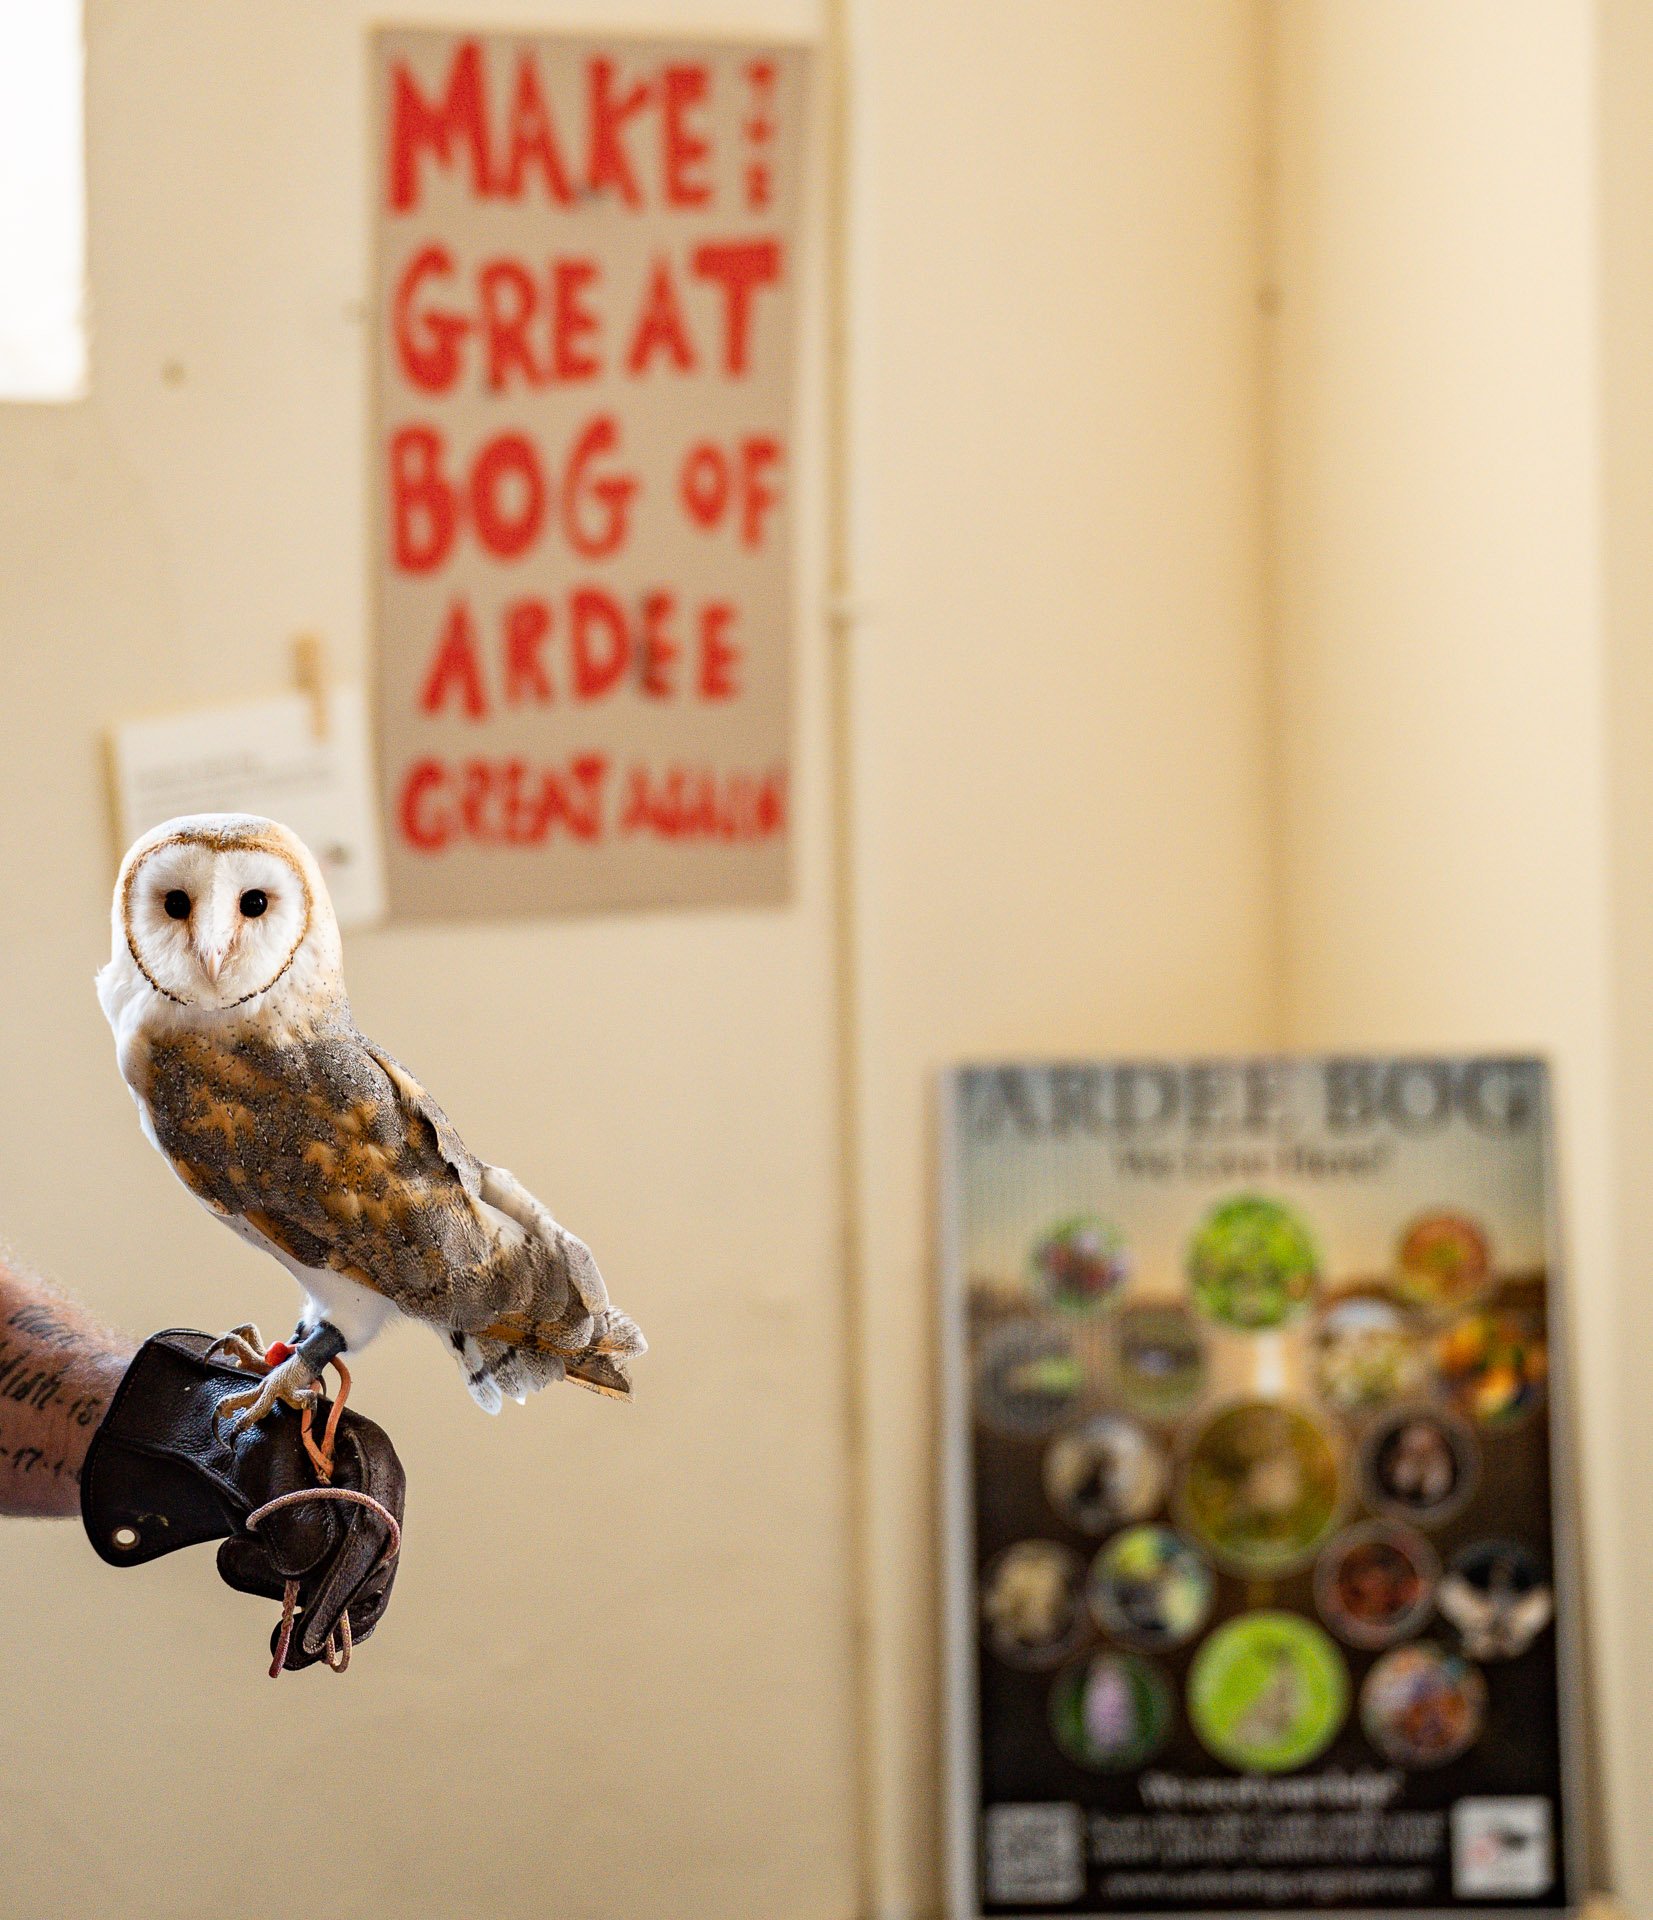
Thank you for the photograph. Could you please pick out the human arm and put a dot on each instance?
(165, 1471)
(164, 1476)
(58, 1372)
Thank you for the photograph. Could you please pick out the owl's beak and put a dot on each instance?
(215, 930)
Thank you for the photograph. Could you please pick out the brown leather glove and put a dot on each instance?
(159, 1476)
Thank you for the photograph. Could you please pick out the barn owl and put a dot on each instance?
(226, 995)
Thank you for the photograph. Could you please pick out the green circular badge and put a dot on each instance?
(1028, 1379)
(1268, 1692)
(1368, 1354)
(1150, 1588)
(1159, 1365)
(1253, 1264)
(1111, 1711)
(1443, 1262)
(1262, 1486)
(1080, 1263)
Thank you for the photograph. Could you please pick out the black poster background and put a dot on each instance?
(1012, 1757)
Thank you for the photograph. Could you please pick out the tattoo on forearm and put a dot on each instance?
(38, 1322)
(30, 1460)
(29, 1381)
(57, 1373)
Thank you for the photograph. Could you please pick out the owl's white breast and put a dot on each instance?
(137, 1015)
(136, 1012)
(131, 1006)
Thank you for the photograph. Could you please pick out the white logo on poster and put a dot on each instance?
(1502, 1846)
(1035, 1852)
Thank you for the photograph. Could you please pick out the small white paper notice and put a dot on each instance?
(265, 756)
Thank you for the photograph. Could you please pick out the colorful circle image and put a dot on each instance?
(1494, 1366)
(1032, 1604)
(1419, 1463)
(1375, 1584)
(1028, 1379)
(1103, 1473)
(1160, 1360)
(1496, 1595)
(1111, 1712)
(1422, 1707)
(1442, 1263)
(1253, 1264)
(1150, 1588)
(1262, 1486)
(1367, 1354)
(1268, 1692)
(1081, 1263)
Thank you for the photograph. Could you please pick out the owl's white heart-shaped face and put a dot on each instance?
(214, 919)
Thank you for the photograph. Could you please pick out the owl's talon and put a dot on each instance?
(243, 1344)
(294, 1383)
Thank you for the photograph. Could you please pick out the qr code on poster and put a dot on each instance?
(1035, 1851)
(1502, 1846)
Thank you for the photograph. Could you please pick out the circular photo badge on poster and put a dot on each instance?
(1080, 1264)
(1419, 1463)
(1494, 1365)
(1028, 1379)
(1111, 1712)
(1032, 1604)
(1268, 1692)
(1422, 1707)
(1443, 1262)
(1150, 1588)
(1367, 1354)
(1375, 1584)
(1496, 1595)
(1104, 1473)
(1159, 1364)
(1253, 1264)
(1261, 1487)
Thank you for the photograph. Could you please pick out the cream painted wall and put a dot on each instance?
(1625, 164)
(615, 1679)
(1062, 578)
(1199, 690)
(1443, 689)
(1056, 678)
(1403, 835)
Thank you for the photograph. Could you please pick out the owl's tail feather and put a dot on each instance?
(516, 1356)
(604, 1367)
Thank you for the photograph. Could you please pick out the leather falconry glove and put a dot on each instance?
(159, 1475)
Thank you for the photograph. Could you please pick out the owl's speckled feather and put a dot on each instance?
(283, 1120)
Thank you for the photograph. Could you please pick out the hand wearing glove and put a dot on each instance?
(161, 1474)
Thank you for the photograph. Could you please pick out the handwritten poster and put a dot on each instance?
(584, 318)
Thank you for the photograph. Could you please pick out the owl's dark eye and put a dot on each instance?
(253, 902)
(177, 904)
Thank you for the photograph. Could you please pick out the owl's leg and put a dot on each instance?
(294, 1381)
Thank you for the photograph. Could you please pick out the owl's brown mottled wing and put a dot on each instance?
(566, 1327)
(333, 1153)
(419, 1110)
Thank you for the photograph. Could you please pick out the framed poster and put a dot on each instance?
(584, 328)
(1262, 1595)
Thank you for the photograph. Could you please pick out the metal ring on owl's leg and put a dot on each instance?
(321, 1345)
